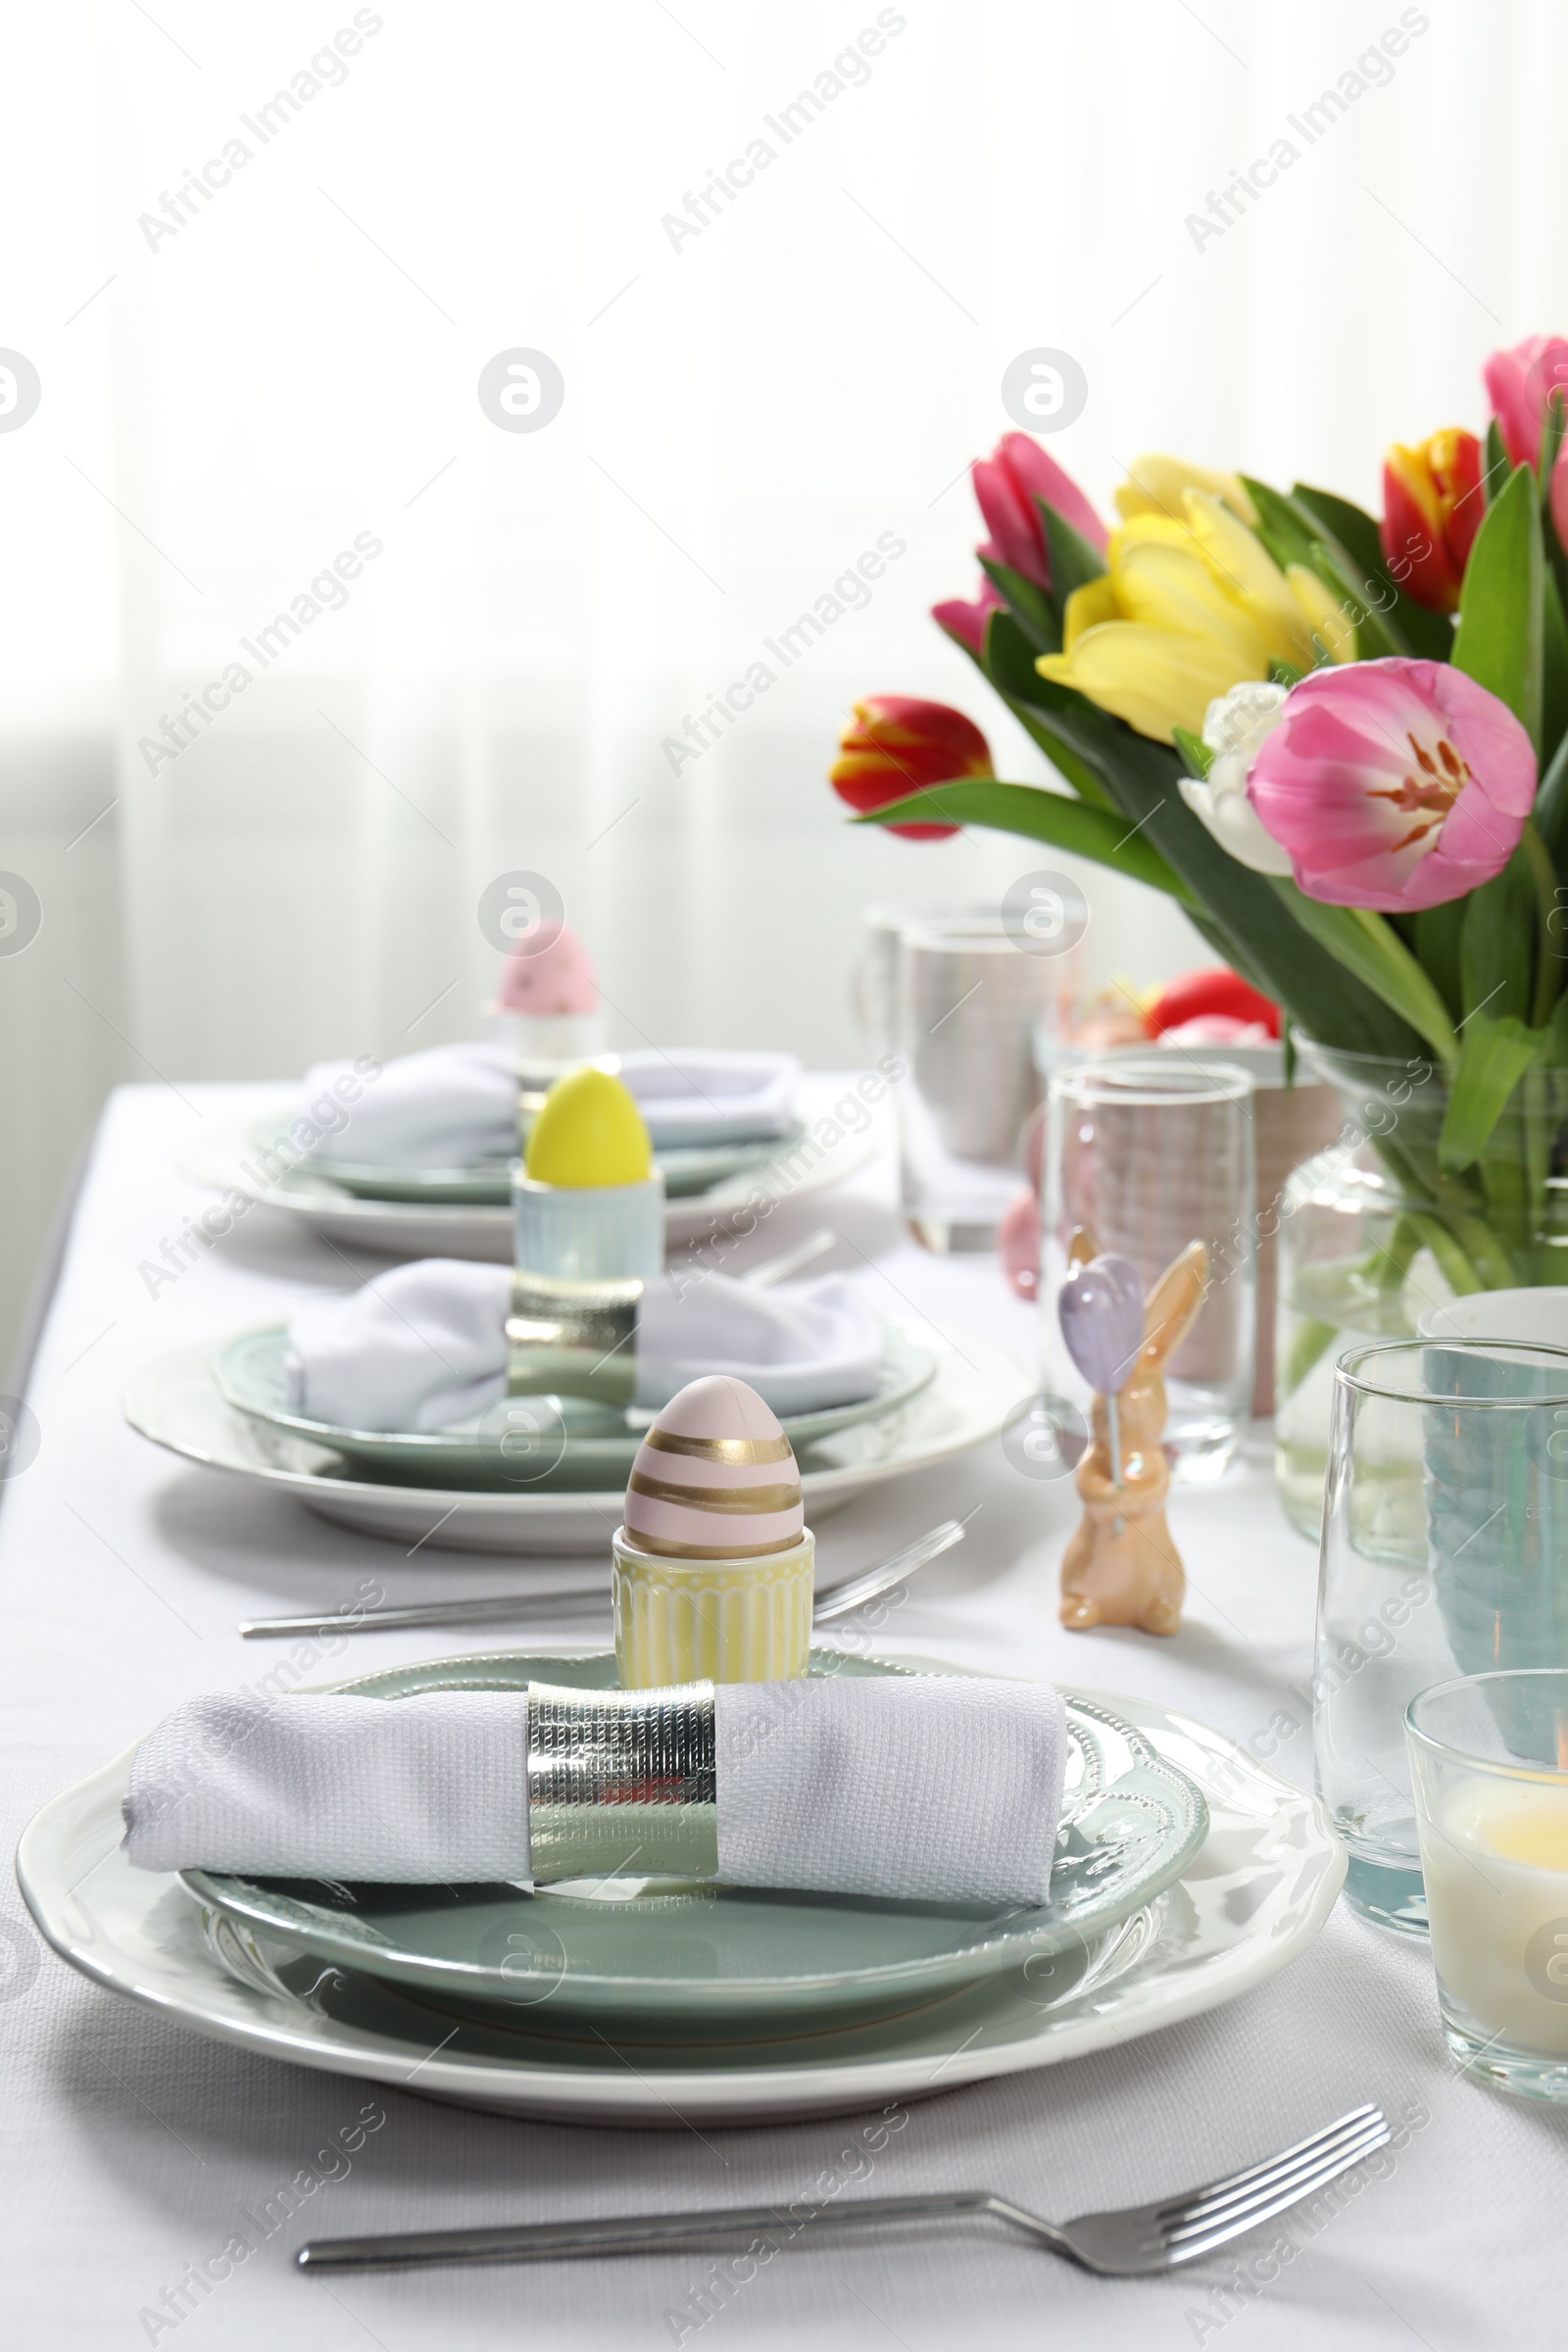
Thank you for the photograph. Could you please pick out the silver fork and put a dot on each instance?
(1119, 2245)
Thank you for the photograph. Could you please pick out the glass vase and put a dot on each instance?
(1374, 1231)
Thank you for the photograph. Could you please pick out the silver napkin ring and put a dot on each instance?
(622, 1780)
(574, 1338)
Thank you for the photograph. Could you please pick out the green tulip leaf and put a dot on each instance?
(1493, 1056)
(1008, 662)
(1495, 468)
(1039, 815)
(1374, 639)
(1437, 932)
(1550, 814)
(1029, 605)
(1554, 669)
(1374, 951)
(1197, 754)
(1426, 634)
(1074, 563)
(1500, 922)
(1498, 640)
(1285, 532)
(1552, 432)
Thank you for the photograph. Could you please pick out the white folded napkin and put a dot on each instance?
(425, 1346)
(456, 1107)
(451, 1106)
(928, 1787)
(692, 1095)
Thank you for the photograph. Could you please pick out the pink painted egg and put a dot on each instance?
(715, 1479)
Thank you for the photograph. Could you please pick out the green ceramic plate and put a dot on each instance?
(688, 1171)
(702, 1959)
(596, 1452)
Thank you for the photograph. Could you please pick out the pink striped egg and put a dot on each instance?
(715, 1479)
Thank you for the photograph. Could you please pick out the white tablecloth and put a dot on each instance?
(130, 2146)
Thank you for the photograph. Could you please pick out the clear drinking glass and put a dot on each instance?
(969, 998)
(1489, 1758)
(874, 981)
(1150, 1152)
(1445, 1552)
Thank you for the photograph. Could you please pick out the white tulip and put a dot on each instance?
(1234, 726)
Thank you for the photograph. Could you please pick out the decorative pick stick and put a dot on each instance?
(1121, 1567)
(1101, 1308)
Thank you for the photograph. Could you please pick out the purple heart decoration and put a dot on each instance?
(1102, 1310)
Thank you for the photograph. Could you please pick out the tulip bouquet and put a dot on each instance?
(1340, 744)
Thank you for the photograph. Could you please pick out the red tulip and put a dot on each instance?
(966, 621)
(897, 745)
(1007, 484)
(1432, 510)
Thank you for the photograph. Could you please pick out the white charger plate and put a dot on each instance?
(222, 1155)
(176, 1401)
(1251, 1900)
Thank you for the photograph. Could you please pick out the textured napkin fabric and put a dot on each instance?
(456, 1107)
(692, 1094)
(936, 1788)
(451, 1106)
(425, 1346)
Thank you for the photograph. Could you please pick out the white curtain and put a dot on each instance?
(260, 259)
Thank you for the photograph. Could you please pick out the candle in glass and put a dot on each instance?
(1488, 1757)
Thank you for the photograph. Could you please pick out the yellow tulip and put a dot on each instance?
(1186, 610)
(1156, 484)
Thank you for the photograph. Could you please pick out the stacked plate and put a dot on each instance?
(527, 1478)
(466, 1212)
(1186, 1872)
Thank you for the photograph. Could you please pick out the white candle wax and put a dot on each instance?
(1495, 1864)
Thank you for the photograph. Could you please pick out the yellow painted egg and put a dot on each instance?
(590, 1133)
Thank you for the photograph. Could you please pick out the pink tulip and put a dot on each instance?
(966, 621)
(1394, 784)
(1518, 383)
(1006, 485)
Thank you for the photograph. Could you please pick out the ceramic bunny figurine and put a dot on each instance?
(1121, 1567)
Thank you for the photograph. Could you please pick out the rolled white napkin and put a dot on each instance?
(425, 1346)
(928, 1787)
(456, 1107)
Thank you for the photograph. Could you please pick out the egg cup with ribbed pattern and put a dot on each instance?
(737, 1620)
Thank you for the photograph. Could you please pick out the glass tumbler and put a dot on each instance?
(1445, 1552)
(970, 998)
(1489, 1759)
(1150, 1153)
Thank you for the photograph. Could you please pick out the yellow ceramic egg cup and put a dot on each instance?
(719, 1621)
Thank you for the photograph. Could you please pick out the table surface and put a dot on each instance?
(131, 2147)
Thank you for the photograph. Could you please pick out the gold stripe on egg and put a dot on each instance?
(744, 1450)
(661, 1547)
(750, 1500)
